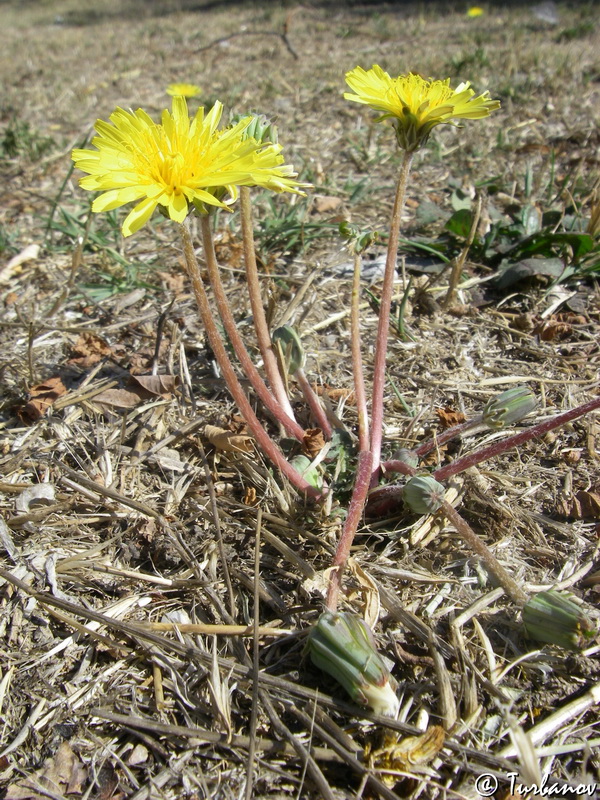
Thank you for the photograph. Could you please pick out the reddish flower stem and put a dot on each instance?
(447, 435)
(357, 365)
(239, 347)
(260, 322)
(314, 403)
(479, 547)
(497, 448)
(355, 512)
(216, 342)
(384, 317)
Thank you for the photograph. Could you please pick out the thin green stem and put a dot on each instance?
(239, 347)
(216, 342)
(260, 322)
(384, 317)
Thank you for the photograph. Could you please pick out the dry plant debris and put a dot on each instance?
(156, 583)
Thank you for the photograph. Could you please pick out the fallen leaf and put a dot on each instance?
(61, 774)
(369, 593)
(582, 505)
(88, 350)
(158, 385)
(41, 398)
(448, 417)
(30, 253)
(313, 442)
(40, 494)
(227, 441)
(410, 754)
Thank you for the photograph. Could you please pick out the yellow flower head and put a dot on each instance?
(176, 163)
(415, 104)
(183, 90)
(475, 11)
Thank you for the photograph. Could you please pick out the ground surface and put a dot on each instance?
(108, 505)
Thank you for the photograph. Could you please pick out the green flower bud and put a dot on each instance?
(303, 466)
(423, 494)
(261, 128)
(509, 407)
(359, 239)
(342, 645)
(291, 347)
(553, 617)
(406, 456)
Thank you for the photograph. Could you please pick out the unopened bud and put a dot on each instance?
(291, 347)
(261, 128)
(423, 494)
(342, 645)
(509, 407)
(406, 456)
(553, 617)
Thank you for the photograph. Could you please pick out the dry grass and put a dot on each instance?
(155, 594)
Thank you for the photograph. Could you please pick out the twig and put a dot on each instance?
(255, 660)
(459, 261)
(221, 39)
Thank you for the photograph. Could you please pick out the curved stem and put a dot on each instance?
(216, 342)
(239, 347)
(314, 403)
(355, 512)
(495, 449)
(384, 317)
(258, 312)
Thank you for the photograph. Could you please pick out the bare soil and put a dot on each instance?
(128, 541)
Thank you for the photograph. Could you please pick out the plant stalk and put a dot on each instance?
(384, 317)
(260, 322)
(357, 365)
(216, 342)
(239, 347)
(355, 512)
(497, 448)
(479, 547)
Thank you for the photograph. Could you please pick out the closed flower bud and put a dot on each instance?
(553, 617)
(509, 407)
(423, 494)
(261, 128)
(342, 645)
(407, 457)
(291, 347)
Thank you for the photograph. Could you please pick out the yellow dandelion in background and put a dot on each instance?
(178, 163)
(475, 11)
(415, 104)
(183, 90)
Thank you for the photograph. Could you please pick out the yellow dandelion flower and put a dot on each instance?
(183, 90)
(415, 104)
(178, 163)
(475, 11)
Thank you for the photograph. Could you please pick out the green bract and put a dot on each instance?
(342, 645)
(509, 407)
(553, 617)
(291, 347)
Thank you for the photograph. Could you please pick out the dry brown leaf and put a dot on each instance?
(41, 398)
(88, 350)
(157, 385)
(583, 505)
(448, 417)
(227, 441)
(313, 442)
(410, 754)
(62, 774)
(119, 398)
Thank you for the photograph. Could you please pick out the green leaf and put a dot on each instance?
(460, 223)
